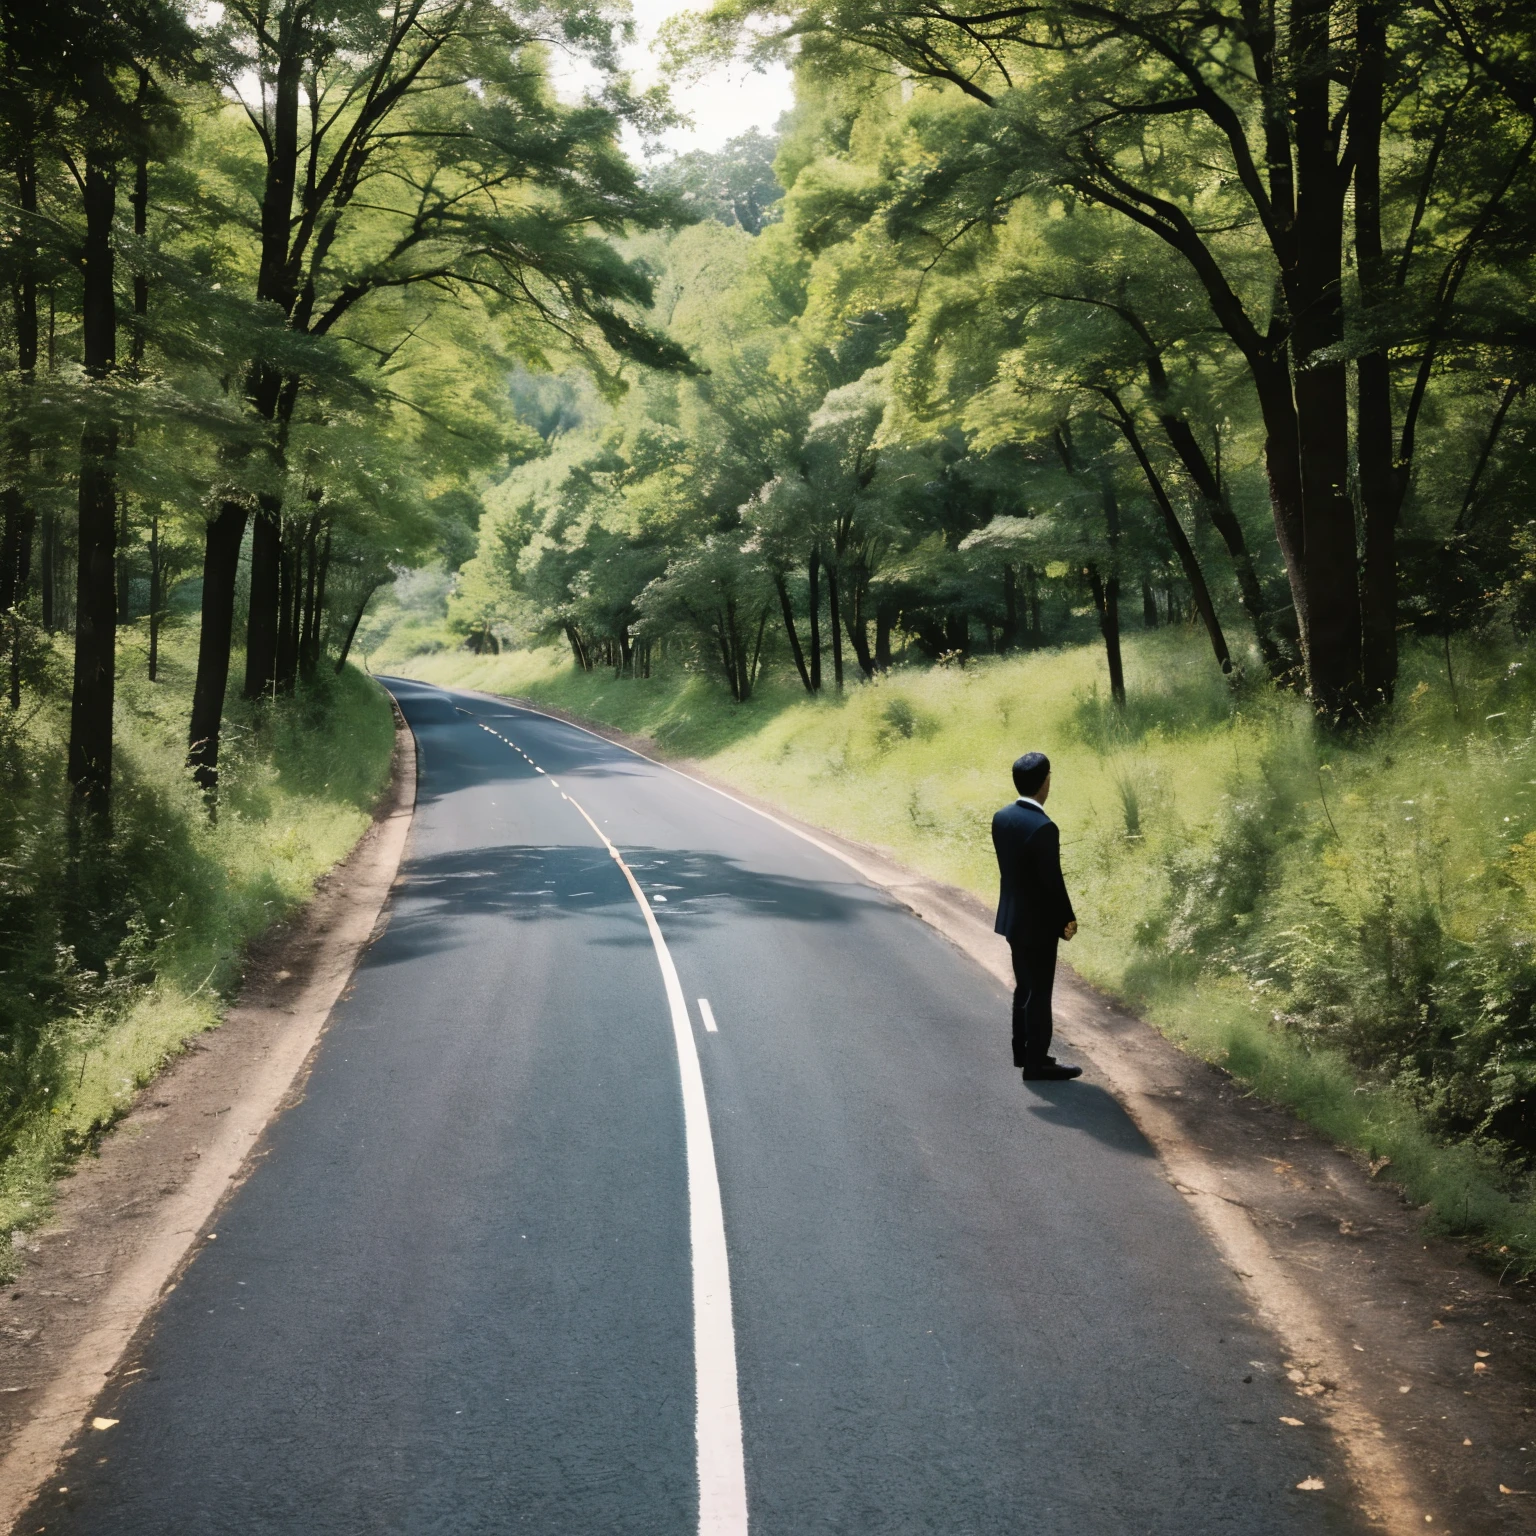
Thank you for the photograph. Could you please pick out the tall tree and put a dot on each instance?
(26, 116)
(103, 61)
(413, 149)
(1234, 134)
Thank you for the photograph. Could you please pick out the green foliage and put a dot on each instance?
(116, 949)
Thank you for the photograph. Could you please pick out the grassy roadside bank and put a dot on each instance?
(114, 954)
(1344, 926)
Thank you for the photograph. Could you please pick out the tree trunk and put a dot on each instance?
(1112, 639)
(287, 617)
(90, 724)
(1512, 392)
(15, 553)
(739, 654)
(813, 579)
(272, 398)
(757, 652)
(309, 556)
(1313, 280)
(724, 635)
(1148, 606)
(1373, 380)
(1176, 536)
(1218, 507)
(221, 565)
(1106, 594)
(883, 621)
(1106, 600)
(837, 628)
(787, 609)
(140, 200)
(48, 572)
(1282, 468)
(1214, 497)
(309, 619)
(357, 618)
(1010, 633)
(262, 614)
(858, 626)
(121, 576)
(20, 520)
(156, 595)
(316, 642)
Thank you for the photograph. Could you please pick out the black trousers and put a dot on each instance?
(1034, 973)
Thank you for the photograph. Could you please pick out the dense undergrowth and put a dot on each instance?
(114, 951)
(1345, 924)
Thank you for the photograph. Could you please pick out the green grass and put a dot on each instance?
(1345, 925)
(108, 975)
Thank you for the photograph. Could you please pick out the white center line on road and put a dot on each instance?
(708, 1015)
(717, 1404)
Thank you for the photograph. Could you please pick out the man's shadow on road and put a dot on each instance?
(1087, 1108)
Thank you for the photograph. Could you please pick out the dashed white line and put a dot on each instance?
(708, 1015)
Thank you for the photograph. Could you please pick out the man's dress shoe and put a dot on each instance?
(1051, 1072)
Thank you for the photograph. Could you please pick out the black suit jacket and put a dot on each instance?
(1033, 905)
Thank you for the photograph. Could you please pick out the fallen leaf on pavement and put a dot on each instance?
(1310, 1484)
(102, 1423)
(1294, 1423)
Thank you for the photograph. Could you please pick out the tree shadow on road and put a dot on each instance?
(440, 897)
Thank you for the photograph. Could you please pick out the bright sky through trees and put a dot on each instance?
(723, 103)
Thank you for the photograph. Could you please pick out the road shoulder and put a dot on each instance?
(127, 1221)
(1422, 1364)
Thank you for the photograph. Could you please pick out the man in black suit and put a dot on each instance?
(1034, 913)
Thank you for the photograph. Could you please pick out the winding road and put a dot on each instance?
(659, 1175)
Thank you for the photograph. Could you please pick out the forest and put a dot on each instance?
(1153, 376)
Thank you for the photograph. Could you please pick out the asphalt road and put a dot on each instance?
(456, 1294)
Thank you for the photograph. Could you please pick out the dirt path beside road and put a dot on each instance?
(127, 1220)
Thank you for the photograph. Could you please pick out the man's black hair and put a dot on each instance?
(1030, 772)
